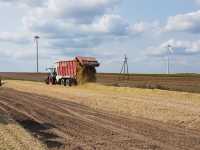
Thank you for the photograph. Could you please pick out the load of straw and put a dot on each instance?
(86, 74)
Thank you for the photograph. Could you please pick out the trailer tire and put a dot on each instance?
(59, 81)
(70, 82)
(63, 82)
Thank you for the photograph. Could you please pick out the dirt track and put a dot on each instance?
(67, 125)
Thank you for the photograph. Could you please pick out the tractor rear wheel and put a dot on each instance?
(47, 80)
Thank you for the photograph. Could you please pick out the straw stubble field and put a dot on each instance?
(94, 116)
(173, 82)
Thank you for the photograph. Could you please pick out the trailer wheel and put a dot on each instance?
(59, 81)
(63, 82)
(70, 82)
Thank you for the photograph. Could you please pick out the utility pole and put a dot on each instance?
(37, 53)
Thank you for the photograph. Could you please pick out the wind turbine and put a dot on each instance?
(36, 38)
(169, 51)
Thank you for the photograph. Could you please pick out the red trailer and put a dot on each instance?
(65, 72)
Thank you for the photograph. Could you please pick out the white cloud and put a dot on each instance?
(179, 48)
(16, 53)
(14, 38)
(83, 11)
(72, 25)
(110, 24)
(31, 3)
(67, 25)
(78, 11)
(197, 1)
(189, 22)
(142, 27)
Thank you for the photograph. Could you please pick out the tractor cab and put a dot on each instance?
(51, 79)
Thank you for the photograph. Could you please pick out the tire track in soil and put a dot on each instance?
(20, 111)
(67, 125)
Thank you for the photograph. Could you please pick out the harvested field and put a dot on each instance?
(14, 137)
(176, 82)
(176, 108)
(63, 124)
(40, 77)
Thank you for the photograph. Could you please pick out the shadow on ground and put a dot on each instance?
(40, 131)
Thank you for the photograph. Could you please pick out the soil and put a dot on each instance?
(62, 124)
(39, 77)
(174, 82)
(15, 137)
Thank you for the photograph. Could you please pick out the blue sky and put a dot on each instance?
(106, 29)
(141, 10)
